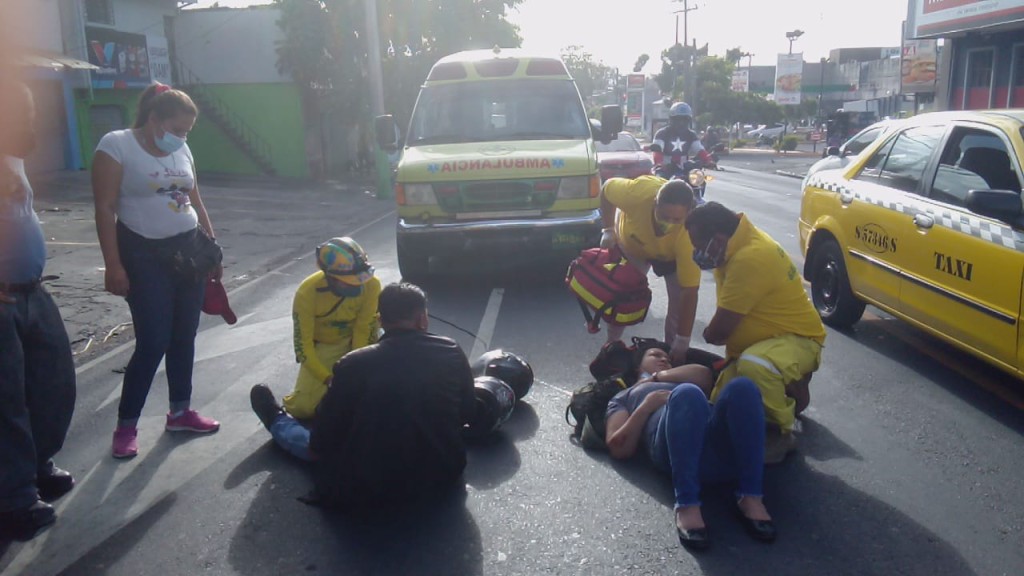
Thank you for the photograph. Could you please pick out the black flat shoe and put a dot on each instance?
(695, 539)
(55, 484)
(25, 524)
(760, 530)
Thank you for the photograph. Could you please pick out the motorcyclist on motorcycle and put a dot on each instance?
(676, 142)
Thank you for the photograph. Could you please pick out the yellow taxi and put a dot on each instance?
(927, 224)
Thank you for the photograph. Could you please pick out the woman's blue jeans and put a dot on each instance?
(699, 442)
(165, 313)
(291, 435)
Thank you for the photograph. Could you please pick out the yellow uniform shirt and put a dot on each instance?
(635, 227)
(326, 328)
(760, 281)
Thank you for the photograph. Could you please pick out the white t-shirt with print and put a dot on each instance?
(153, 200)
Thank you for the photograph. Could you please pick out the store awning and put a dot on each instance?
(37, 59)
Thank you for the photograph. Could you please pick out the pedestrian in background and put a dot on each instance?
(158, 249)
(37, 373)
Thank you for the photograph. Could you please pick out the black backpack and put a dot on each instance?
(589, 403)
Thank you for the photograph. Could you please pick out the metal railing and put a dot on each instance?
(254, 145)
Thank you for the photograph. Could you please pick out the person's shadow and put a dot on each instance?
(825, 526)
(280, 535)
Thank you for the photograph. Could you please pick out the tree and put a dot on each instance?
(734, 55)
(590, 76)
(640, 63)
(325, 50)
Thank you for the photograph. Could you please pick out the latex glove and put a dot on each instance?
(607, 238)
(680, 345)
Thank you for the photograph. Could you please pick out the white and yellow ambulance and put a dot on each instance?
(499, 156)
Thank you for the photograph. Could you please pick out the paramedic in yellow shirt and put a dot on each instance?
(771, 331)
(644, 217)
(334, 312)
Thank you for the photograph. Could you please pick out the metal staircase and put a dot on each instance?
(234, 127)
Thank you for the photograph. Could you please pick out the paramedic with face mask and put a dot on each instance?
(644, 218)
(771, 332)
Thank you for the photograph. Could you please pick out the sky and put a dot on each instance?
(616, 32)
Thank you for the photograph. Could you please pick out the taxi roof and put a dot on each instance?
(991, 116)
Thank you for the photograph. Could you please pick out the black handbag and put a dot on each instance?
(191, 255)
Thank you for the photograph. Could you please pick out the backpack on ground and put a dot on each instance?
(587, 408)
(607, 286)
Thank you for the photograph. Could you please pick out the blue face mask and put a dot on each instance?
(704, 259)
(169, 143)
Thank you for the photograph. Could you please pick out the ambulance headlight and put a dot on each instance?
(574, 187)
(419, 195)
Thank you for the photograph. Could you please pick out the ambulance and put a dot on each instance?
(499, 157)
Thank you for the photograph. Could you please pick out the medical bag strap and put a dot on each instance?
(593, 321)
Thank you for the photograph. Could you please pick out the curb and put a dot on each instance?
(790, 174)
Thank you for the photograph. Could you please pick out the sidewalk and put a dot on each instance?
(794, 164)
(260, 223)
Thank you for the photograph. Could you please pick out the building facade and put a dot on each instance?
(981, 65)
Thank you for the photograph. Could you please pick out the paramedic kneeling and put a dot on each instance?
(771, 331)
(644, 217)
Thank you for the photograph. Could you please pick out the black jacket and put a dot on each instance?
(390, 426)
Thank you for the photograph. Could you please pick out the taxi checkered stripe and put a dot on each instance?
(994, 232)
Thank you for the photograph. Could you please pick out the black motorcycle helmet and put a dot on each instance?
(495, 401)
(507, 367)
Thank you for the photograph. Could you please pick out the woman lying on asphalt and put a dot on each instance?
(667, 412)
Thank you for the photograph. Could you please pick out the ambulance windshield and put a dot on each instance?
(498, 110)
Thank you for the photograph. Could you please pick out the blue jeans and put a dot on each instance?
(699, 442)
(291, 435)
(165, 313)
(37, 393)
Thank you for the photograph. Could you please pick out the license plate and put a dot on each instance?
(566, 239)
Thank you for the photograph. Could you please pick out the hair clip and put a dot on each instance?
(161, 88)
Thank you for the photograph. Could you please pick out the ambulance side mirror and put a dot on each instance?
(385, 130)
(611, 122)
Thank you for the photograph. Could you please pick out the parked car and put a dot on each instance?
(623, 157)
(927, 223)
(766, 134)
(841, 156)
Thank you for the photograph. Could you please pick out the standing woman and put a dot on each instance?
(158, 249)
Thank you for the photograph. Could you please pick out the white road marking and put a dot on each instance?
(104, 357)
(483, 341)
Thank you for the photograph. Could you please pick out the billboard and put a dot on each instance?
(122, 58)
(918, 66)
(788, 78)
(741, 81)
(936, 18)
(635, 82)
(159, 59)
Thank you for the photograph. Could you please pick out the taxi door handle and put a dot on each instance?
(923, 221)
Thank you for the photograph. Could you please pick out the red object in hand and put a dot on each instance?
(216, 301)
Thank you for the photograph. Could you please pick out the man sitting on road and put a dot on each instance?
(644, 217)
(771, 331)
(390, 426)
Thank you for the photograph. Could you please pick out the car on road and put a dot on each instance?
(841, 156)
(623, 157)
(766, 133)
(926, 224)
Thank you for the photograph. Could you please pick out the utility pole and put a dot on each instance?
(685, 11)
(376, 78)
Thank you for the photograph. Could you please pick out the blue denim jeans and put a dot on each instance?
(699, 442)
(291, 435)
(37, 393)
(165, 313)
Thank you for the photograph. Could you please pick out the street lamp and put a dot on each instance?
(791, 36)
(821, 84)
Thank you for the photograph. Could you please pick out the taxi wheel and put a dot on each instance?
(830, 288)
(412, 264)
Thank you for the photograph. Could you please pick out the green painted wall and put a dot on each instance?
(273, 111)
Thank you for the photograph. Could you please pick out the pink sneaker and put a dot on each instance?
(191, 421)
(125, 443)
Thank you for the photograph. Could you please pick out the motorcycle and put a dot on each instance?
(692, 172)
(715, 151)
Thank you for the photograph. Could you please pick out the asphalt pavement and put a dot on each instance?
(906, 465)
